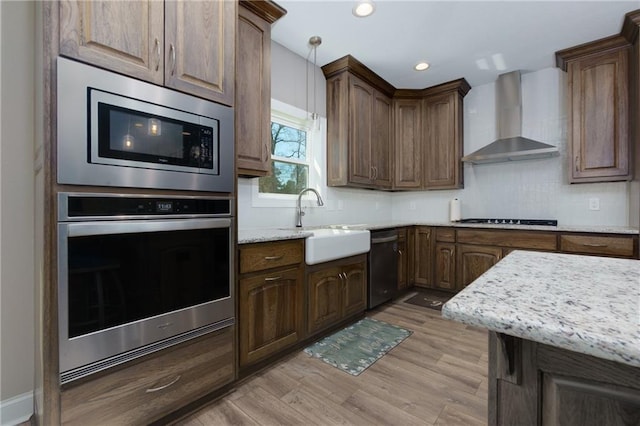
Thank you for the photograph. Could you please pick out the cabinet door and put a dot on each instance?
(270, 313)
(599, 110)
(360, 125)
(324, 298)
(423, 256)
(576, 401)
(253, 95)
(199, 48)
(442, 131)
(355, 289)
(381, 143)
(473, 261)
(408, 144)
(445, 266)
(126, 37)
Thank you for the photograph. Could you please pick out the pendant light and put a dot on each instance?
(314, 42)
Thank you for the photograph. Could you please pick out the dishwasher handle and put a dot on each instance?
(384, 239)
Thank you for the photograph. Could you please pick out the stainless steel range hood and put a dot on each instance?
(511, 145)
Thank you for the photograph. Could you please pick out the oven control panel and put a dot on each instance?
(74, 206)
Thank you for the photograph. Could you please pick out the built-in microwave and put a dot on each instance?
(117, 131)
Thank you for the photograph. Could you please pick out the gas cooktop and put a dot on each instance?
(542, 222)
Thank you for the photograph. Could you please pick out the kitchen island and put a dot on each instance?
(564, 341)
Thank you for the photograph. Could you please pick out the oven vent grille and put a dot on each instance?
(77, 373)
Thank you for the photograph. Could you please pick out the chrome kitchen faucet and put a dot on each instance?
(300, 213)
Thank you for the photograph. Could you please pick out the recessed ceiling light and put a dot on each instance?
(421, 66)
(363, 8)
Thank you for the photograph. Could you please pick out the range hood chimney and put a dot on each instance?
(510, 146)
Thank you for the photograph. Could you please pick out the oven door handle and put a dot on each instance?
(83, 229)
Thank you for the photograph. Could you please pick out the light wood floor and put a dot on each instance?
(437, 376)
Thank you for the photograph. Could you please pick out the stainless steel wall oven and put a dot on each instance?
(138, 273)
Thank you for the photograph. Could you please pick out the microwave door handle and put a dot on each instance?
(84, 229)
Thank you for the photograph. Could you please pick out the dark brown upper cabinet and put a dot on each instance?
(380, 137)
(598, 109)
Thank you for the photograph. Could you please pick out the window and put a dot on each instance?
(291, 138)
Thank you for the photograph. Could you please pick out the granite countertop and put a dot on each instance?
(585, 304)
(246, 236)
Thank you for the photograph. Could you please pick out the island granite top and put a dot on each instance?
(585, 304)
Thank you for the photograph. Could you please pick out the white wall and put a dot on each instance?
(531, 189)
(17, 35)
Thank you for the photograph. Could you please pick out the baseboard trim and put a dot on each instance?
(17, 409)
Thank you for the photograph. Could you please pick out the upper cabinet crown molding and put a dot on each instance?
(582, 51)
(630, 26)
(357, 68)
(266, 10)
(460, 85)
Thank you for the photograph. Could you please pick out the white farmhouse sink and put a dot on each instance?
(330, 244)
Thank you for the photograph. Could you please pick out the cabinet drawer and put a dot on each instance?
(257, 257)
(447, 235)
(516, 239)
(155, 386)
(588, 244)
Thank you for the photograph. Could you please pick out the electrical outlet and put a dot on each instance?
(412, 205)
(594, 203)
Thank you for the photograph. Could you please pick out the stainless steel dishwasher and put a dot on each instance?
(383, 267)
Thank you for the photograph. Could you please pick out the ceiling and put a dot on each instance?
(477, 40)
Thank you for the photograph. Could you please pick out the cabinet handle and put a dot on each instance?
(272, 279)
(157, 43)
(400, 253)
(343, 276)
(266, 152)
(375, 173)
(273, 257)
(159, 388)
(172, 51)
(595, 245)
(577, 164)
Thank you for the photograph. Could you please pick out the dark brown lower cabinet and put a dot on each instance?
(445, 267)
(271, 313)
(423, 252)
(473, 261)
(550, 386)
(336, 291)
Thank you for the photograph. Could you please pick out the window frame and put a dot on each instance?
(297, 118)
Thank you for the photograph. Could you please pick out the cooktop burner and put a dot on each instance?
(543, 222)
